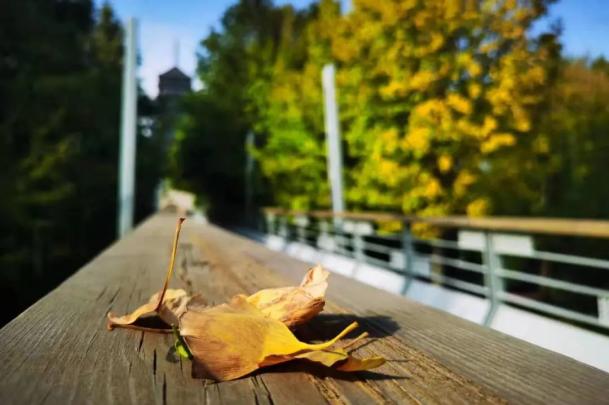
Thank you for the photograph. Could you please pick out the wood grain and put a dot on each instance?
(59, 351)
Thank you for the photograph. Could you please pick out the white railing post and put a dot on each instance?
(338, 231)
(270, 224)
(301, 223)
(408, 252)
(324, 240)
(283, 227)
(492, 281)
(358, 243)
(603, 309)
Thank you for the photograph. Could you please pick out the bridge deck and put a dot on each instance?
(59, 351)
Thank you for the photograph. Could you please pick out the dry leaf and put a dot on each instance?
(232, 340)
(339, 358)
(169, 304)
(173, 306)
(294, 305)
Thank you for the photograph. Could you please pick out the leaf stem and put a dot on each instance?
(321, 346)
(172, 260)
(354, 341)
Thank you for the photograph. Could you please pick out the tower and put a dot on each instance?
(174, 83)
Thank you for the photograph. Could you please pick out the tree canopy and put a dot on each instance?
(60, 81)
(445, 106)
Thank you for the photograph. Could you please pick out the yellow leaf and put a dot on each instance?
(232, 340)
(459, 103)
(497, 141)
(339, 359)
(169, 304)
(294, 305)
(478, 208)
(445, 163)
(290, 305)
(174, 305)
(422, 79)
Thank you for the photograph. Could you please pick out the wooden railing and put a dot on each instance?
(59, 351)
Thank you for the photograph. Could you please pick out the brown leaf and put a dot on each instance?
(294, 305)
(232, 340)
(169, 304)
(174, 305)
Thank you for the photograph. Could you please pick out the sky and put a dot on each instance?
(164, 23)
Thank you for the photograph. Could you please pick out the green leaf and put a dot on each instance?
(179, 345)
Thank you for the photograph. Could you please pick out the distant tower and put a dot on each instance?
(174, 82)
(172, 85)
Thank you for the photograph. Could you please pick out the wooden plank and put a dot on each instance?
(590, 228)
(396, 381)
(59, 351)
(513, 369)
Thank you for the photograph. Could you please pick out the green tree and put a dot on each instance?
(42, 57)
(209, 153)
(288, 103)
(575, 141)
(60, 77)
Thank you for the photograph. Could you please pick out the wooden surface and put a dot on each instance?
(59, 351)
(591, 228)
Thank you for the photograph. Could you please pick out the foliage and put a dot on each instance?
(211, 165)
(436, 93)
(209, 153)
(447, 107)
(439, 103)
(60, 73)
(288, 102)
(576, 143)
(432, 96)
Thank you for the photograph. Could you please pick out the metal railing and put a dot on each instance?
(504, 260)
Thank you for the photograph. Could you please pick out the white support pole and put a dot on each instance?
(408, 252)
(250, 142)
(335, 158)
(494, 283)
(126, 169)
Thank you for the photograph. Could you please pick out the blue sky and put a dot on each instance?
(585, 26)
(162, 23)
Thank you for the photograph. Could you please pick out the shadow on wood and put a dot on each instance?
(326, 326)
(303, 366)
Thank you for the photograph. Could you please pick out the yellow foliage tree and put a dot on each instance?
(432, 94)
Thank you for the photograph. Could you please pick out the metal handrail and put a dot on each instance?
(357, 245)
